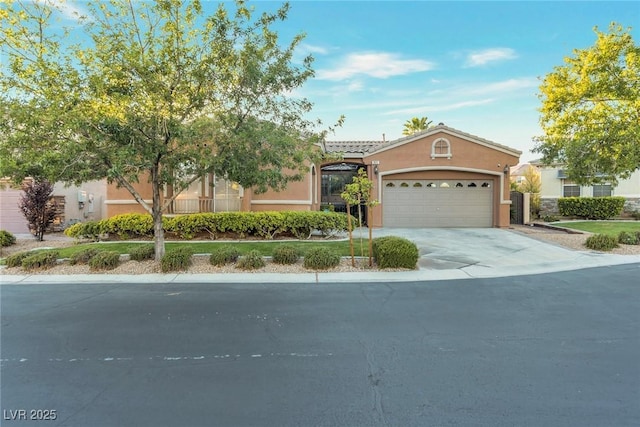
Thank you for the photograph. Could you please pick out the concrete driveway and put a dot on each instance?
(494, 252)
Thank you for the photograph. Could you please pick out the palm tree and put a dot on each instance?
(416, 125)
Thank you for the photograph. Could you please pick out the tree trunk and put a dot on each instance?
(353, 260)
(360, 225)
(369, 224)
(156, 213)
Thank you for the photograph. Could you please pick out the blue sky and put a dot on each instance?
(473, 65)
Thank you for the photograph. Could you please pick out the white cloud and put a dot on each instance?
(483, 57)
(374, 64)
(505, 86)
(69, 10)
(438, 108)
(308, 48)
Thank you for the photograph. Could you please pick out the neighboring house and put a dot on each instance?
(75, 204)
(439, 177)
(555, 184)
(518, 173)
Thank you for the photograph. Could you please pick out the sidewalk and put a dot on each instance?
(445, 254)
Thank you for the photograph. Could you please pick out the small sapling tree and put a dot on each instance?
(359, 193)
(37, 206)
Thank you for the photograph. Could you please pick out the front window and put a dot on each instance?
(570, 189)
(602, 190)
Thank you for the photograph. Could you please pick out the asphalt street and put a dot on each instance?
(559, 349)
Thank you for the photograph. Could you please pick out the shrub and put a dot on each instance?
(176, 260)
(251, 261)
(6, 238)
(627, 238)
(286, 254)
(601, 242)
(40, 260)
(550, 218)
(395, 252)
(84, 256)
(591, 207)
(635, 215)
(15, 260)
(142, 252)
(130, 225)
(105, 260)
(321, 259)
(224, 255)
(89, 230)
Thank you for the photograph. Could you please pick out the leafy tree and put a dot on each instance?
(532, 183)
(154, 92)
(590, 110)
(416, 125)
(355, 194)
(37, 206)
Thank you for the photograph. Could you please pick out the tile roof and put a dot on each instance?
(352, 146)
(365, 147)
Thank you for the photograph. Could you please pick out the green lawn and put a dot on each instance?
(264, 247)
(612, 228)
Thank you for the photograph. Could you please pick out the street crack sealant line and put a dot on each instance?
(24, 360)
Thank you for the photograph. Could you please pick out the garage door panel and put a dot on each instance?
(437, 203)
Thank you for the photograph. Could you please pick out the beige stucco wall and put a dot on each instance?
(120, 201)
(551, 185)
(95, 193)
(299, 195)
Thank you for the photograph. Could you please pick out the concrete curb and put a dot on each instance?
(582, 261)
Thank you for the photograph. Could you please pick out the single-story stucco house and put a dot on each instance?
(555, 184)
(75, 204)
(439, 177)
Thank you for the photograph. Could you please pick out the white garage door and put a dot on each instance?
(437, 203)
(11, 218)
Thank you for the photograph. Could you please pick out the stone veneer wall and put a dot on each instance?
(631, 205)
(549, 206)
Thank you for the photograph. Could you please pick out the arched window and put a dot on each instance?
(459, 185)
(444, 185)
(486, 185)
(417, 185)
(441, 148)
(404, 184)
(431, 185)
(390, 184)
(473, 184)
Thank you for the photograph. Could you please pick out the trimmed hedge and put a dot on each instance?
(224, 255)
(15, 260)
(6, 238)
(395, 252)
(285, 254)
(321, 258)
(601, 242)
(251, 261)
(591, 207)
(143, 252)
(264, 225)
(176, 260)
(40, 260)
(105, 260)
(84, 256)
(629, 238)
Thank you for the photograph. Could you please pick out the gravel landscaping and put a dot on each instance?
(201, 263)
